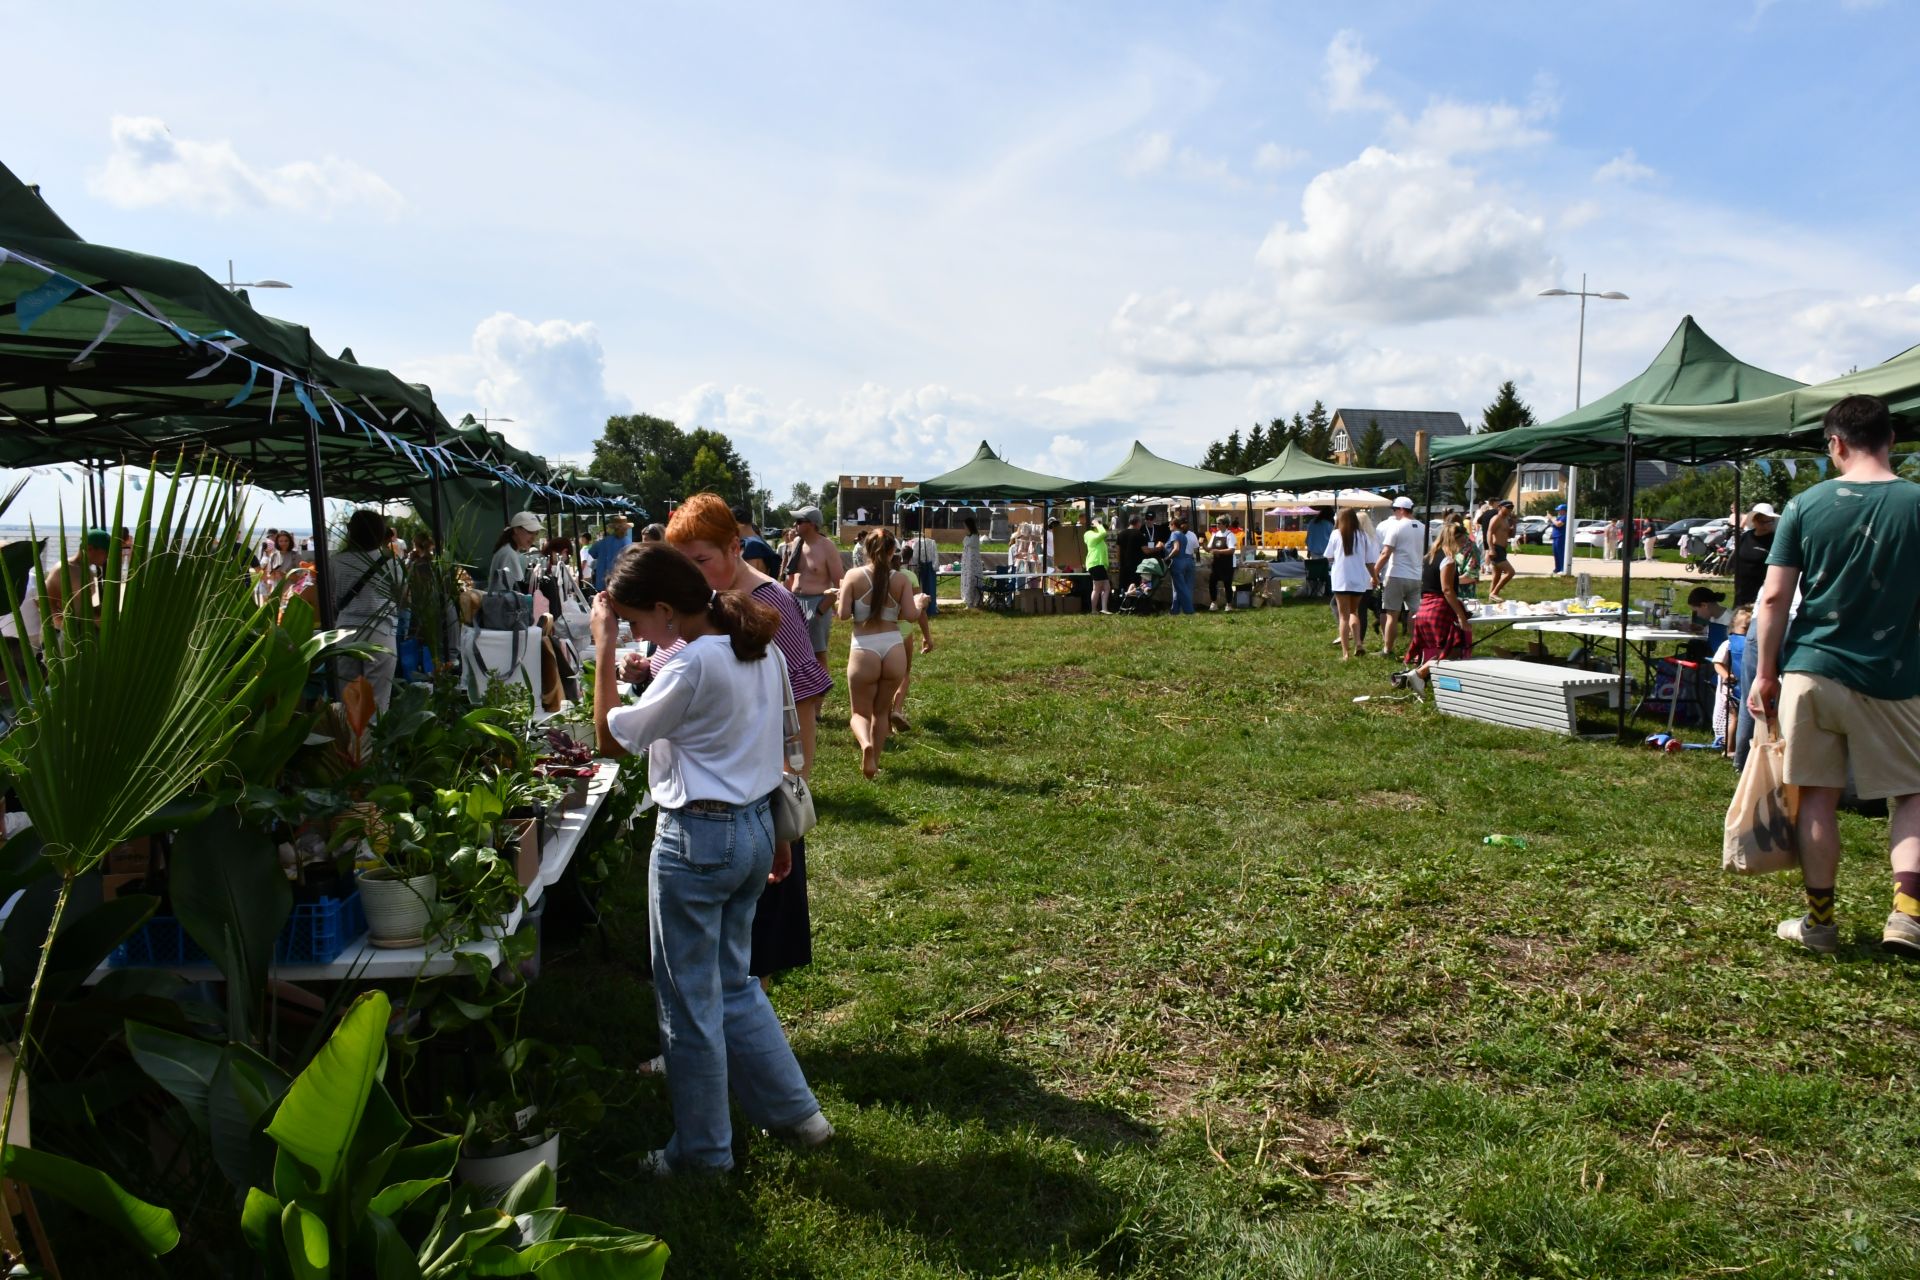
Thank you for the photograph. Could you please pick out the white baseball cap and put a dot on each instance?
(1764, 509)
(1403, 503)
(525, 520)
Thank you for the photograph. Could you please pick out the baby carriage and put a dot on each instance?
(1139, 598)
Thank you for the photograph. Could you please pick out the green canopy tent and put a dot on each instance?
(1788, 420)
(1147, 474)
(113, 357)
(1691, 370)
(987, 477)
(1297, 471)
(990, 478)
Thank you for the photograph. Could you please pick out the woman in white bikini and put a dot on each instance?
(876, 598)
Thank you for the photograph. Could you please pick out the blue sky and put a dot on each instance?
(862, 238)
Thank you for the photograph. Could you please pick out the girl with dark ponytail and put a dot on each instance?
(711, 721)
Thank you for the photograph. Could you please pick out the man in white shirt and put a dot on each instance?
(1223, 543)
(923, 561)
(1402, 547)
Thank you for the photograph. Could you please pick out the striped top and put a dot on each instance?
(810, 679)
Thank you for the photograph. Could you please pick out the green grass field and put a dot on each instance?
(1151, 953)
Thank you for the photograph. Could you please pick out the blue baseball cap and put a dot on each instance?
(1561, 507)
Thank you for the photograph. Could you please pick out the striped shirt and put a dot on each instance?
(810, 679)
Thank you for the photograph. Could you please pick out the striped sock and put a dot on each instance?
(1906, 892)
(1819, 905)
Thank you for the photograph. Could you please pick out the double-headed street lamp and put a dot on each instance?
(237, 285)
(1579, 360)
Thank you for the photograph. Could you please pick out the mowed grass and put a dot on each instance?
(1151, 953)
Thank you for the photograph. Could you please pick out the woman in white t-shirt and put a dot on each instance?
(1352, 552)
(710, 722)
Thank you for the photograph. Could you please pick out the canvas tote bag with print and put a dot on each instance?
(1760, 830)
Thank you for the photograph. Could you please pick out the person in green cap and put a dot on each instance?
(73, 586)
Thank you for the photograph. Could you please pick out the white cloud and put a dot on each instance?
(1110, 393)
(1344, 76)
(549, 377)
(1449, 128)
(1274, 158)
(1155, 153)
(1404, 238)
(1241, 329)
(1625, 167)
(1150, 155)
(148, 166)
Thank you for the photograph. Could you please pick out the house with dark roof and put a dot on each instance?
(1397, 429)
(1533, 481)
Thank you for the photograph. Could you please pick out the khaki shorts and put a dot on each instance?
(1399, 595)
(1827, 725)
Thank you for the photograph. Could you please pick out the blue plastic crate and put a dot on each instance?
(315, 933)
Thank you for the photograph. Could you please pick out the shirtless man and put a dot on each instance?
(1499, 533)
(815, 577)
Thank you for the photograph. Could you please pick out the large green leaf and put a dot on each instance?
(260, 1222)
(232, 899)
(246, 1088)
(534, 1191)
(321, 1112)
(304, 1236)
(96, 1195)
(137, 705)
(392, 1256)
(182, 1065)
(22, 861)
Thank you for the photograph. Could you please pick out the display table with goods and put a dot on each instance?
(202, 817)
(1490, 617)
(164, 945)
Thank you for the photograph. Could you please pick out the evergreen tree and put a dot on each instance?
(1256, 451)
(1317, 432)
(1230, 457)
(1367, 452)
(1505, 413)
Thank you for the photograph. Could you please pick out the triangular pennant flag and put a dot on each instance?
(1823, 468)
(1765, 465)
(240, 397)
(273, 405)
(1788, 465)
(306, 401)
(36, 302)
(115, 314)
(226, 352)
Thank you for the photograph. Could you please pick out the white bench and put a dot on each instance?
(1526, 695)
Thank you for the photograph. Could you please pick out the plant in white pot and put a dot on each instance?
(399, 881)
(532, 1094)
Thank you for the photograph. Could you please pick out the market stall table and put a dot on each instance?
(362, 961)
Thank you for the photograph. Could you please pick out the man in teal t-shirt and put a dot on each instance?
(1843, 688)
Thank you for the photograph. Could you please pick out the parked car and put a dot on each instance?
(1669, 535)
(1590, 533)
(1533, 529)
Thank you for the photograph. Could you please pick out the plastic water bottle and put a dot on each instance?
(1505, 842)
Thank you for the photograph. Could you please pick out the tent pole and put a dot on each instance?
(1735, 535)
(433, 487)
(317, 512)
(1426, 526)
(1626, 580)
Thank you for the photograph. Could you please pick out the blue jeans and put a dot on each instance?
(1180, 574)
(716, 1026)
(1743, 729)
(930, 586)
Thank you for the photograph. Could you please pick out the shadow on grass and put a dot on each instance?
(946, 775)
(954, 1078)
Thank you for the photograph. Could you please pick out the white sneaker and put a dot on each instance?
(814, 1131)
(1213, 608)
(1821, 938)
(1229, 609)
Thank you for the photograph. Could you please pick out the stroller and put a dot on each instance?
(1139, 597)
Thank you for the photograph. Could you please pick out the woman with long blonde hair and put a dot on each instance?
(1352, 552)
(876, 598)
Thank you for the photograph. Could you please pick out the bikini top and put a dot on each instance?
(889, 612)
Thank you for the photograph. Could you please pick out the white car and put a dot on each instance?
(1590, 533)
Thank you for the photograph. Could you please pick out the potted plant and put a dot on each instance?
(533, 1094)
(399, 884)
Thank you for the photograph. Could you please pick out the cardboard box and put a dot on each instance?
(132, 858)
(520, 840)
(1066, 604)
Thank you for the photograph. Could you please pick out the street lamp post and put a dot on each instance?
(237, 285)
(1579, 361)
